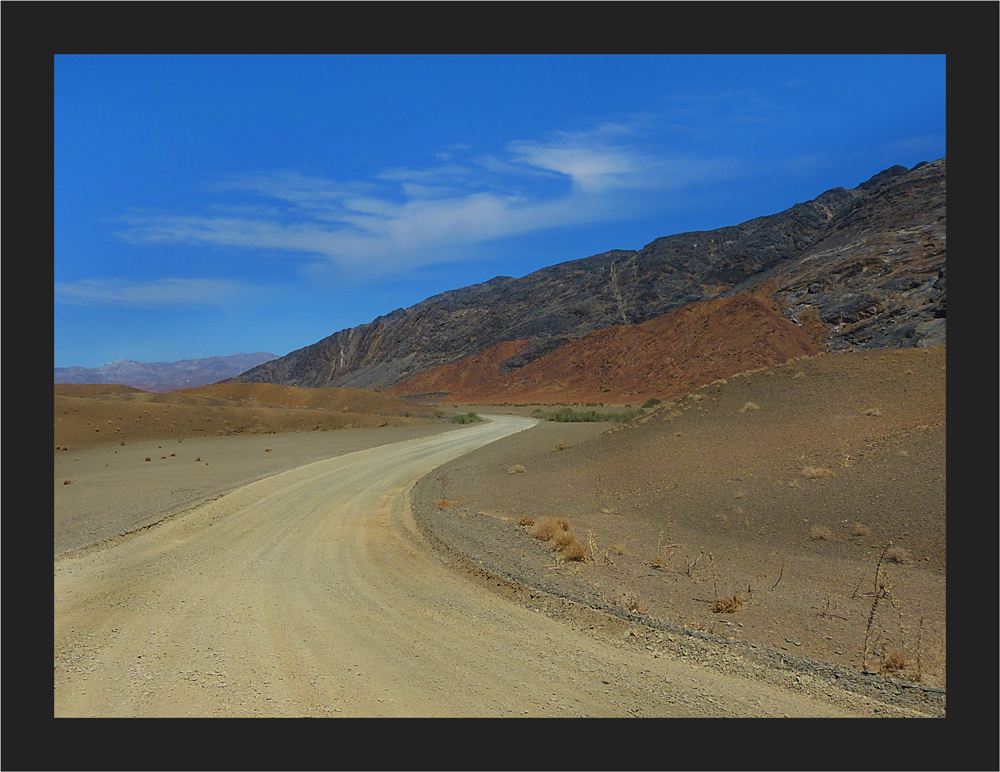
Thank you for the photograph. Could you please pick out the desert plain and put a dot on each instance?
(790, 517)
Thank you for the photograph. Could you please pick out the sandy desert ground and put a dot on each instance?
(785, 488)
(719, 494)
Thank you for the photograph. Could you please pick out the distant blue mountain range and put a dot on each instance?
(164, 376)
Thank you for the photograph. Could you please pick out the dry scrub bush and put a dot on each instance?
(893, 661)
(527, 520)
(556, 531)
(630, 603)
(561, 539)
(749, 406)
(728, 605)
(817, 472)
(820, 533)
(873, 411)
(859, 529)
(563, 445)
(548, 526)
(573, 550)
(517, 469)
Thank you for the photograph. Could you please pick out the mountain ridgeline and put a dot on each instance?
(163, 376)
(857, 268)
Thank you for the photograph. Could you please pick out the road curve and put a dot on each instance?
(311, 593)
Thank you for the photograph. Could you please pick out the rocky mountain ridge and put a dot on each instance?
(164, 376)
(861, 267)
(664, 357)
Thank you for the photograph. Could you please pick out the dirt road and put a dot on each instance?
(311, 593)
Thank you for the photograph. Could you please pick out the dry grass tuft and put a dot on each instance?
(817, 472)
(573, 550)
(556, 531)
(561, 539)
(547, 527)
(820, 533)
(563, 445)
(859, 529)
(728, 605)
(517, 469)
(527, 520)
(658, 561)
(442, 503)
(898, 555)
(873, 411)
(894, 661)
(749, 406)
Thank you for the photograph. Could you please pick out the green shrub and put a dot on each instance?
(651, 402)
(467, 418)
(569, 415)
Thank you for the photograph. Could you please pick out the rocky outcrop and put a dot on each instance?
(664, 357)
(876, 274)
(861, 267)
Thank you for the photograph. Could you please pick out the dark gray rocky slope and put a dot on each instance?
(865, 266)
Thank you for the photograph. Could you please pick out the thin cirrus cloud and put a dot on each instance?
(151, 294)
(406, 218)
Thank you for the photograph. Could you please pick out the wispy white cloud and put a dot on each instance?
(151, 294)
(409, 217)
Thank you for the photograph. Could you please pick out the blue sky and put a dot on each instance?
(210, 205)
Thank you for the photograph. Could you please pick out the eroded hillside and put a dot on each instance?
(662, 358)
(860, 267)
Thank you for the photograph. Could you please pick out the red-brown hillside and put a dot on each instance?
(664, 357)
(471, 375)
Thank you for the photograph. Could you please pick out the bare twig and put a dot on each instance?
(689, 567)
(826, 609)
(858, 586)
(715, 575)
(657, 562)
(920, 629)
(879, 591)
(780, 574)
